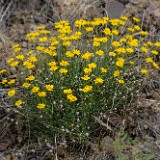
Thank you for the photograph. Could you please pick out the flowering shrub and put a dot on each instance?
(73, 72)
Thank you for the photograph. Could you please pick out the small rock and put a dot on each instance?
(91, 12)
(3, 146)
(124, 1)
(24, 44)
(107, 144)
(41, 20)
(114, 9)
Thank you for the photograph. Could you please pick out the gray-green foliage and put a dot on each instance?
(126, 148)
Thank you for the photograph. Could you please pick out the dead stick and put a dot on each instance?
(102, 123)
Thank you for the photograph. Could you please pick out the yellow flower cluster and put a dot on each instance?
(18, 103)
(98, 80)
(53, 66)
(2, 71)
(11, 93)
(70, 95)
(49, 87)
(87, 89)
(120, 62)
(96, 22)
(41, 106)
(40, 34)
(85, 56)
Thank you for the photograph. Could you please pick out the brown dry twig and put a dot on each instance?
(6, 10)
(102, 123)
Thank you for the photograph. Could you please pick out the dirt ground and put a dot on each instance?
(140, 119)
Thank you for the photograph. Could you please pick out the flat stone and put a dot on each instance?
(114, 9)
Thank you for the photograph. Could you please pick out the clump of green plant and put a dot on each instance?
(126, 148)
(73, 72)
